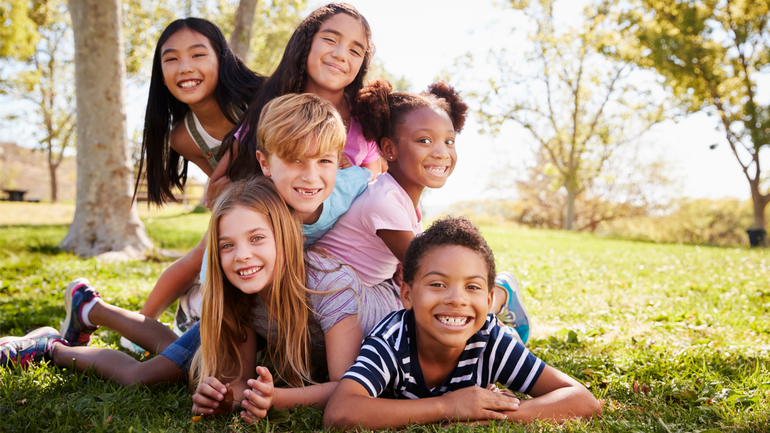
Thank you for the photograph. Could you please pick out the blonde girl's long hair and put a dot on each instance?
(226, 310)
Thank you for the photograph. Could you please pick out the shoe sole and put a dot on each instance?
(517, 292)
(34, 334)
(71, 287)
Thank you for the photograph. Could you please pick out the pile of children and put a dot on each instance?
(314, 246)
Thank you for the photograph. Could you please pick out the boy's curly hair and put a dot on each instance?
(448, 231)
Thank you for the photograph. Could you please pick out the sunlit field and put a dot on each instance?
(670, 338)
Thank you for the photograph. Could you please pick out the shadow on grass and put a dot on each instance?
(47, 249)
(20, 316)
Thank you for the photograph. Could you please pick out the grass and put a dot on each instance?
(671, 338)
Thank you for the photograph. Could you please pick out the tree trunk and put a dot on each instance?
(760, 202)
(569, 209)
(105, 217)
(244, 22)
(52, 171)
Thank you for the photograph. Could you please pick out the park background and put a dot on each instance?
(671, 334)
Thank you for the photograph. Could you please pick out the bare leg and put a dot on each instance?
(144, 331)
(117, 366)
(174, 281)
(501, 297)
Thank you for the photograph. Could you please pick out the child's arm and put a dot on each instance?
(174, 281)
(184, 145)
(343, 342)
(396, 241)
(351, 407)
(209, 397)
(557, 397)
(374, 167)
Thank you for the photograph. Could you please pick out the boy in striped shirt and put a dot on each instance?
(446, 352)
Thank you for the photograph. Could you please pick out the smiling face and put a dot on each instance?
(423, 153)
(190, 66)
(450, 298)
(336, 55)
(303, 183)
(247, 250)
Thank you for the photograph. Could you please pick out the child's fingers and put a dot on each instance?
(246, 417)
(204, 404)
(257, 399)
(500, 403)
(254, 410)
(214, 392)
(265, 388)
(490, 415)
(264, 374)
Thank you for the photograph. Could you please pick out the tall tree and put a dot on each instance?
(41, 72)
(105, 217)
(579, 107)
(711, 54)
(244, 22)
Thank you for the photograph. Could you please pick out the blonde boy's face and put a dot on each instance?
(304, 183)
(449, 297)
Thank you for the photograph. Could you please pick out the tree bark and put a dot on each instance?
(569, 209)
(106, 220)
(54, 188)
(244, 22)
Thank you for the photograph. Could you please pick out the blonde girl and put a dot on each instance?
(305, 305)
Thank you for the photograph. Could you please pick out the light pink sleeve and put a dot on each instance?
(387, 212)
(372, 152)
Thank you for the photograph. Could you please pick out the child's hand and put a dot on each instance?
(504, 391)
(475, 403)
(211, 397)
(260, 397)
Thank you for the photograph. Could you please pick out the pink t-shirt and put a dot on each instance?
(357, 149)
(384, 205)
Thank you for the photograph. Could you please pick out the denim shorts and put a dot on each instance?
(182, 351)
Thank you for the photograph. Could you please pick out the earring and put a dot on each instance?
(391, 158)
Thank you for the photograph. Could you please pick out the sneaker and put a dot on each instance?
(34, 347)
(188, 309)
(77, 294)
(513, 313)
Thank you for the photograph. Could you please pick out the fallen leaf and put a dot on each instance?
(21, 402)
(196, 418)
(109, 419)
(228, 395)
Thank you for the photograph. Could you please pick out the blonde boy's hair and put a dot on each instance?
(290, 124)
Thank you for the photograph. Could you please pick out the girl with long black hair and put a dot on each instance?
(329, 55)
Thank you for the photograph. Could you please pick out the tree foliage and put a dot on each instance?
(628, 186)
(42, 76)
(710, 54)
(579, 107)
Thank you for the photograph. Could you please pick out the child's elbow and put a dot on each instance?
(337, 418)
(590, 407)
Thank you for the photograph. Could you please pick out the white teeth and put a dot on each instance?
(454, 321)
(308, 192)
(436, 169)
(250, 271)
(188, 84)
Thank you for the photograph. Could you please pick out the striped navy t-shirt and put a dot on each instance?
(388, 364)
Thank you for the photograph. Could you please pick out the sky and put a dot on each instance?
(420, 39)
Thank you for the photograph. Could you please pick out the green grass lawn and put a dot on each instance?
(671, 338)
